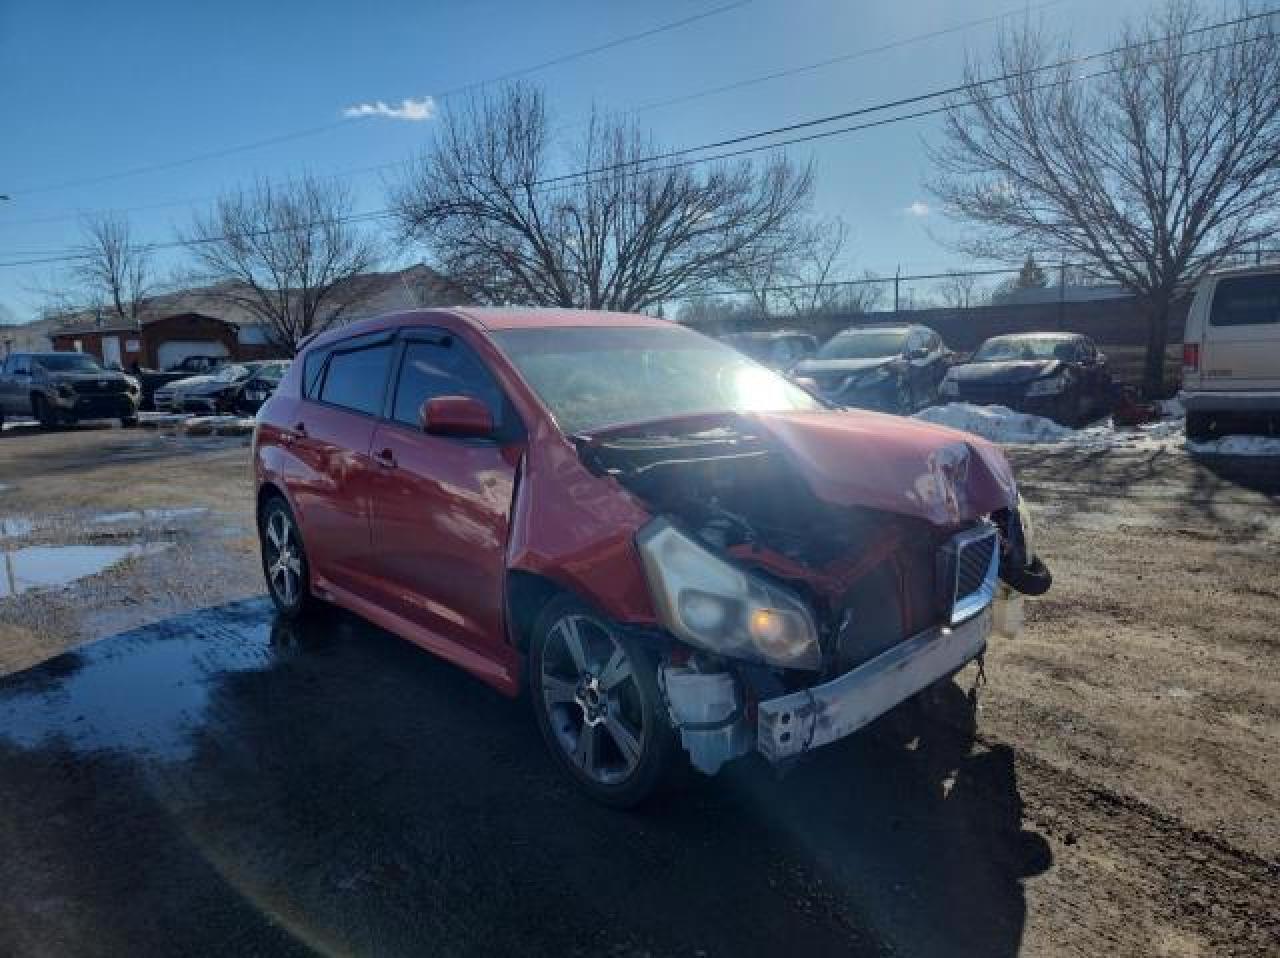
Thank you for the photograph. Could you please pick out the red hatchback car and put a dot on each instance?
(672, 547)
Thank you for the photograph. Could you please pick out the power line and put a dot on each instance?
(324, 128)
(842, 58)
(684, 98)
(558, 182)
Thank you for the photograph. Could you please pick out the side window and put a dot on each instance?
(312, 366)
(357, 378)
(447, 368)
(1246, 301)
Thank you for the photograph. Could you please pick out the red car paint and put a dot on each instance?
(419, 533)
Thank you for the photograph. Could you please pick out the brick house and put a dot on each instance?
(196, 322)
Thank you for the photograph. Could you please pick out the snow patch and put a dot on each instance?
(997, 423)
(1003, 425)
(1237, 446)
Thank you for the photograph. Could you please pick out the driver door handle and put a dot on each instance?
(386, 458)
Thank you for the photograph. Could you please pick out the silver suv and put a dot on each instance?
(60, 388)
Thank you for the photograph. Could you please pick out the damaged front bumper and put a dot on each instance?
(792, 724)
(709, 712)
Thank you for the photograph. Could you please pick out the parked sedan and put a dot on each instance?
(671, 549)
(892, 368)
(220, 392)
(1058, 375)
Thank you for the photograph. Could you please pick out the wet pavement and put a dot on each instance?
(220, 783)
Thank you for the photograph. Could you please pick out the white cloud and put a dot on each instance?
(917, 209)
(408, 109)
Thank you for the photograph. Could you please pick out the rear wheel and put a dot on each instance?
(284, 561)
(129, 422)
(595, 693)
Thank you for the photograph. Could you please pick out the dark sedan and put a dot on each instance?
(1058, 375)
(225, 391)
(891, 368)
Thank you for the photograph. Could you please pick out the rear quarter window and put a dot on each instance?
(1246, 301)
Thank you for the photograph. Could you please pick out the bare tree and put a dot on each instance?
(507, 224)
(1157, 171)
(290, 255)
(958, 290)
(112, 274)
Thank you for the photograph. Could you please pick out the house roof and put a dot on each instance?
(368, 295)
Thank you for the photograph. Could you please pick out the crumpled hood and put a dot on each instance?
(1012, 372)
(893, 464)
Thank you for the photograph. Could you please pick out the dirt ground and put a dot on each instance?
(1120, 782)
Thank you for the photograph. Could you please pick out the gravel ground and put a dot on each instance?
(339, 791)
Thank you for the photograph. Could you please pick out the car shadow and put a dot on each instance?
(332, 786)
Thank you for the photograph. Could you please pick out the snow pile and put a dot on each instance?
(1003, 425)
(1237, 446)
(997, 423)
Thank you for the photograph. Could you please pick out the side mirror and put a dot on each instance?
(461, 416)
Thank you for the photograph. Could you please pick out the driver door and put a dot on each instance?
(440, 506)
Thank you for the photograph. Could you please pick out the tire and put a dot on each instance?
(586, 675)
(1199, 426)
(129, 422)
(288, 578)
(43, 412)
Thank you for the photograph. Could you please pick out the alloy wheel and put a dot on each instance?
(593, 700)
(283, 558)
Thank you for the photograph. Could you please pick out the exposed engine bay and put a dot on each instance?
(877, 583)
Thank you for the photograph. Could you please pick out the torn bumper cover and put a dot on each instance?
(810, 718)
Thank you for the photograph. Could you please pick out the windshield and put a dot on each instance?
(864, 344)
(68, 363)
(594, 377)
(229, 374)
(1022, 347)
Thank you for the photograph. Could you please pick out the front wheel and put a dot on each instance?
(44, 412)
(284, 561)
(595, 693)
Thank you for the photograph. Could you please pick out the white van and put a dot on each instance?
(1231, 350)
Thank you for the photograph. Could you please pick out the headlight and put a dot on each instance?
(718, 607)
(949, 387)
(1047, 387)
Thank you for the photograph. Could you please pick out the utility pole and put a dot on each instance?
(897, 278)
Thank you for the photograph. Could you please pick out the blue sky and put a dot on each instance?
(93, 89)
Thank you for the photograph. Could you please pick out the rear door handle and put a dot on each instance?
(386, 458)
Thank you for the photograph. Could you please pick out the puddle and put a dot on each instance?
(144, 691)
(15, 527)
(44, 567)
(148, 515)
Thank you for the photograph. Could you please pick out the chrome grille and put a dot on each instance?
(968, 568)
